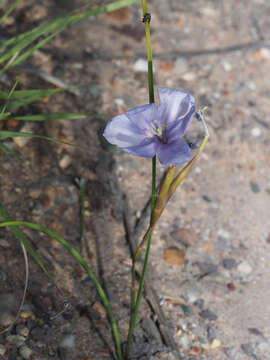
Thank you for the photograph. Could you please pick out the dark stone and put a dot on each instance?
(229, 263)
(207, 198)
(199, 303)
(208, 315)
(211, 333)
(254, 187)
(206, 268)
(186, 309)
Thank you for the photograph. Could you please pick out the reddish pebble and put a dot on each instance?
(231, 286)
(268, 239)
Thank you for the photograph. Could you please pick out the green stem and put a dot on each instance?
(134, 305)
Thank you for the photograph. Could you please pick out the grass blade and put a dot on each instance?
(9, 10)
(5, 216)
(10, 134)
(50, 117)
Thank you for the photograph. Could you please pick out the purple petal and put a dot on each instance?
(143, 116)
(146, 148)
(174, 104)
(174, 153)
(121, 131)
(178, 128)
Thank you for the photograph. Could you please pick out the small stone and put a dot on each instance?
(16, 340)
(208, 315)
(223, 243)
(211, 333)
(4, 244)
(25, 352)
(231, 286)
(187, 310)
(2, 350)
(184, 341)
(22, 330)
(244, 268)
(189, 76)
(65, 161)
(256, 131)
(207, 268)
(223, 233)
(174, 256)
(248, 350)
(119, 102)
(68, 341)
(216, 343)
(229, 263)
(199, 303)
(181, 65)
(195, 350)
(22, 141)
(99, 309)
(206, 198)
(265, 53)
(227, 66)
(140, 65)
(187, 237)
(254, 187)
(190, 291)
(6, 319)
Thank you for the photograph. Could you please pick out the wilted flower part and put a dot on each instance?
(147, 130)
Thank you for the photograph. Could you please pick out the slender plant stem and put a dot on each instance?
(134, 304)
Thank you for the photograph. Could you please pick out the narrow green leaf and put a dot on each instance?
(10, 134)
(9, 10)
(4, 215)
(50, 117)
(54, 27)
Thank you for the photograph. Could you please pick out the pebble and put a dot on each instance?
(189, 76)
(174, 256)
(208, 315)
(187, 237)
(265, 52)
(227, 66)
(181, 65)
(256, 131)
(22, 141)
(25, 352)
(207, 268)
(16, 340)
(211, 333)
(140, 65)
(229, 263)
(4, 244)
(22, 330)
(2, 350)
(254, 187)
(216, 343)
(65, 161)
(184, 341)
(68, 341)
(244, 268)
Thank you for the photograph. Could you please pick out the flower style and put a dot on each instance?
(147, 130)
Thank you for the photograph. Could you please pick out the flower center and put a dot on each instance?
(159, 131)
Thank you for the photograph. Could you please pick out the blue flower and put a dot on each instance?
(147, 130)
